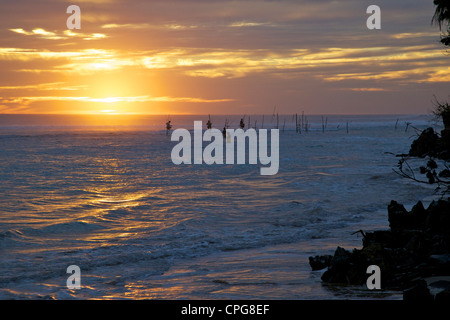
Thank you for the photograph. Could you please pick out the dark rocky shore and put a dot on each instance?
(413, 255)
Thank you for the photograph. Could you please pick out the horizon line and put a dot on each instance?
(207, 114)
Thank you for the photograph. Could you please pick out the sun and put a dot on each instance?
(109, 111)
(111, 95)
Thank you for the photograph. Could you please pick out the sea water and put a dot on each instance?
(104, 195)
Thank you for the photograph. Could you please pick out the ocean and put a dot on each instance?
(102, 193)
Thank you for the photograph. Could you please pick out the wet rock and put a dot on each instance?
(398, 216)
(320, 262)
(418, 292)
(445, 144)
(341, 257)
(443, 296)
(418, 216)
(444, 173)
(435, 219)
(383, 237)
(441, 259)
(438, 217)
(339, 270)
(440, 263)
(349, 267)
(417, 246)
(439, 244)
(425, 144)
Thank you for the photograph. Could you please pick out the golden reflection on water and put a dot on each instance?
(144, 291)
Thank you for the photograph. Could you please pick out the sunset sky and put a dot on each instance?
(220, 57)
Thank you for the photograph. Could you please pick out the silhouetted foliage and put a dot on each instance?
(430, 172)
(442, 18)
(442, 111)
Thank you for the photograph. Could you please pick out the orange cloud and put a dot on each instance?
(29, 100)
(50, 35)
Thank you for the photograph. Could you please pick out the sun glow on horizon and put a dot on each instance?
(109, 111)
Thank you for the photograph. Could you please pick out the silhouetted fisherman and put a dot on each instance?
(209, 124)
(242, 124)
(168, 127)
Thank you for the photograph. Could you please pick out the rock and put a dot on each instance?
(440, 244)
(438, 217)
(341, 257)
(339, 268)
(383, 237)
(320, 262)
(395, 208)
(398, 216)
(439, 287)
(425, 144)
(440, 264)
(441, 259)
(443, 296)
(435, 219)
(446, 117)
(418, 216)
(419, 292)
(416, 248)
(445, 144)
(347, 267)
(444, 173)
